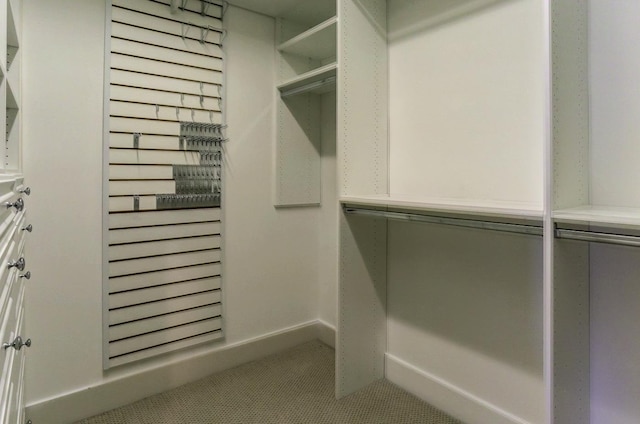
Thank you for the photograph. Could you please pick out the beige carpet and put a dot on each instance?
(296, 386)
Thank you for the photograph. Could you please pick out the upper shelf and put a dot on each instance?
(318, 42)
(495, 210)
(600, 215)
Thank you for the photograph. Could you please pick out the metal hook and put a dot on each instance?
(225, 7)
(204, 32)
(183, 31)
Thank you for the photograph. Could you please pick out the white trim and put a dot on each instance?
(445, 396)
(80, 404)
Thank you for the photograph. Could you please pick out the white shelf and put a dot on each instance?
(600, 215)
(311, 77)
(318, 42)
(482, 208)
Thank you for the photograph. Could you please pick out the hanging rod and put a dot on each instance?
(597, 237)
(533, 230)
(308, 87)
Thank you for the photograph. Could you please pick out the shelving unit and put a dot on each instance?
(440, 122)
(442, 116)
(12, 151)
(307, 69)
(596, 210)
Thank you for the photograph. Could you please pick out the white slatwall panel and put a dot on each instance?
(164, 283)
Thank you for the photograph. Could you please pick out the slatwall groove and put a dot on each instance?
(169, 347)
(164, 280)
(137, 266)
(162, 9)
(215, 11)
(128, 16)
(208, 43)
(168, 327)
(160, 299)
(160, 83)
(166, 99)
(165, 68)
(217, 284)
(156, 218)
(163, 113)
(154, 309)
(158, 293)
(166, 232)
(147, 142)
(127, 330)
(164, 336)
(163, 53)
(162, 247)
(132, 33)
(164, 277)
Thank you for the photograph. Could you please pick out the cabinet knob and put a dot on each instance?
(26, 275)
(20, 264)
(26, 190)
(28, 228)
(18, 204)
(17, 344)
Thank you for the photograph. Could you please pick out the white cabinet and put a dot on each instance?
(14, 272)
(13, 224)
(307, 64)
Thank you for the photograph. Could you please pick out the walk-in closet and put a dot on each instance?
(436, 197)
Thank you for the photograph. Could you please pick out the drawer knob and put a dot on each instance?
(28, 228)
(17, 344)
(20, 264)
(26, 275)
(18, 204)
(26, 190)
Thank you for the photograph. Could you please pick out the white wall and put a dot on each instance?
(465, 307)
(328, 216)
(270, 272)
(466, 99)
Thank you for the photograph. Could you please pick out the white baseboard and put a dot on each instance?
(445, 396)
(74, 406)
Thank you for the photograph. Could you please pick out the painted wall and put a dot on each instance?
(465, 307)
(466, 99)
(270, 269)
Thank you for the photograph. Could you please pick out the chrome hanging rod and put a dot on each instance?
(308, 87)
(533, 230)
(597, 237)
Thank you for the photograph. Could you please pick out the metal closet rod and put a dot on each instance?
(308, 87)
(598, 237)
(533, 230)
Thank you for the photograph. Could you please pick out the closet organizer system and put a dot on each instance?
(504, 116)
(14, 226)
(163, 220)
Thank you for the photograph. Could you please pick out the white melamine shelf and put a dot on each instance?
(600, 215)
(318, 42)
(311, 77)
(480, 208)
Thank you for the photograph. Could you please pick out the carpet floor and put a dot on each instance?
(296, 386)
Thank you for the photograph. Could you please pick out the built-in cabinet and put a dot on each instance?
(504, 133)
(14, 226)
